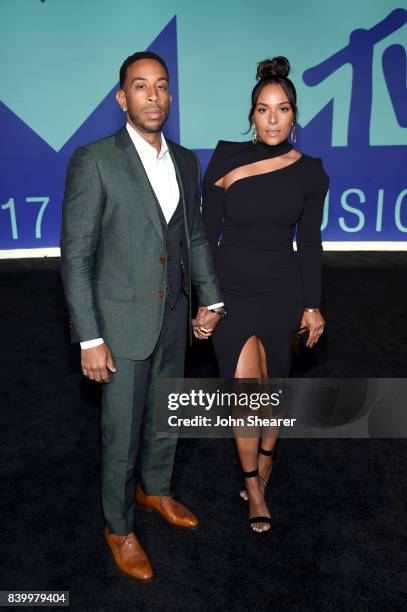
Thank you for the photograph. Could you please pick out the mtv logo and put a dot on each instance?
(359, 54)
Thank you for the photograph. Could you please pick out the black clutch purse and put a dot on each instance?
(299, 339)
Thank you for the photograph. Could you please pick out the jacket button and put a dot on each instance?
(160, 293)
(168, 243)
(162, 260)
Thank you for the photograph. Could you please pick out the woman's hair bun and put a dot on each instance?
(277, 67)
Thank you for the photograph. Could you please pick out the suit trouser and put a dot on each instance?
(128, 423)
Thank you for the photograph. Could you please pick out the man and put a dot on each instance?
(132, 240)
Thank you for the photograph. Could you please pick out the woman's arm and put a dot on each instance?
(213, 199)
(309, 245)
(309, 248)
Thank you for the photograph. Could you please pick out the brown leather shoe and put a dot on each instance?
(128, 555)
(171, 510)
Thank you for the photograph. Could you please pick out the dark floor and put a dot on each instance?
(339, 506)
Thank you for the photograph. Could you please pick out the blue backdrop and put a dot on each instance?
(59, 77)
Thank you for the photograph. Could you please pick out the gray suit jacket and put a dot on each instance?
(112, 241)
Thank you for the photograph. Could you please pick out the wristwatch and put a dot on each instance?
(221, 313)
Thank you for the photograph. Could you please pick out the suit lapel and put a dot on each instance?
(144, 190)
(181, 178)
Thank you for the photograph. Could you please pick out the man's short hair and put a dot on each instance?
(139, 56)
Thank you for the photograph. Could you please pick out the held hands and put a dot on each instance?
(96, 362)
(315, 323)
(204, 323)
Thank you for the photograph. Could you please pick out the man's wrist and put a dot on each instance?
(87, 344)
(219, 312)
(214, 306)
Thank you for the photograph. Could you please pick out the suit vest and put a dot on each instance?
(174, 242)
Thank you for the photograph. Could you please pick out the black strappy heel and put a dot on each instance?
(268, 453)
(257, 519)
(263, 451)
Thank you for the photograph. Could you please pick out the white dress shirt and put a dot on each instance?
(161, 174)
(160, 171)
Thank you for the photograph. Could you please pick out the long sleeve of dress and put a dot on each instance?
(309, 245)
(213, 207)
(212, 213)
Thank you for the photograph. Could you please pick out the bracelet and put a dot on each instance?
(311, 309)
(220, 313)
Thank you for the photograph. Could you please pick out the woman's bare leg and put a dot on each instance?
(251, 365)
(265, 462)
(267, 442)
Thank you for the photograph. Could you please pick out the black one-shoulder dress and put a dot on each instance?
(251, 227)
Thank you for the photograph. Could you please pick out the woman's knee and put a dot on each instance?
(249, 362)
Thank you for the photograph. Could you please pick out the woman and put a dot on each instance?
(257, 196)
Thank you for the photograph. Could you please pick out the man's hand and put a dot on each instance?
(96, 362)
(204, 323)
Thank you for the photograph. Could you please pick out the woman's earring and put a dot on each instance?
(254, 133)
(293, 136)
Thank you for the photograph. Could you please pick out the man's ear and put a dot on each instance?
(121, 99)
(170, 98)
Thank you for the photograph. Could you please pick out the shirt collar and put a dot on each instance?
(142, 146)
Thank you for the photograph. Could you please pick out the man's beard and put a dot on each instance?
(139, 123)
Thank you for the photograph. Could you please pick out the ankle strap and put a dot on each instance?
(263, 451)
(251, 474)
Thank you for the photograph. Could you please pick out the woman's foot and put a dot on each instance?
(265, 466)
(257, 504)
